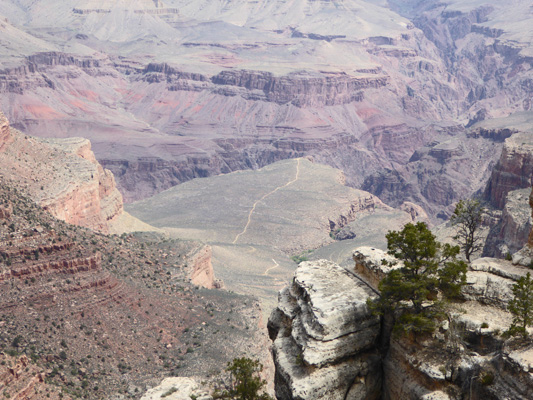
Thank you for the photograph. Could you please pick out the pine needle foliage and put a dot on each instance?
(415, 294)
(521, 306)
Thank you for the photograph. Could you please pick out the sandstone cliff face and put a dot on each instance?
(202, 273)
(63, 176)
(4, 131)
(514, 169)
(507, 190)
(453, 361)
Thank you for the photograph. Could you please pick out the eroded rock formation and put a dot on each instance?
(63, 176)
(514, 169)
(467, 353)
(21, 380)
(202, 273)
(508, 190)
(324, 336)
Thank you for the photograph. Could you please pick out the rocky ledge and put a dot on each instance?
(328, 345)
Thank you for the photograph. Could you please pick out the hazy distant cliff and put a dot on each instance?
(63, 176)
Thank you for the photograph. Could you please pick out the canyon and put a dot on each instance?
(255, 143)
(395, 105)
(89, 315)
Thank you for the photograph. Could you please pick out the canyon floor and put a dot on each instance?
(255, 221)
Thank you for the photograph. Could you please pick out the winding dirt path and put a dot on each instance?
(264, 197)
(276, 265)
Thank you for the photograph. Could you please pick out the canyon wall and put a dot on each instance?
(63, 176)
(508, 190)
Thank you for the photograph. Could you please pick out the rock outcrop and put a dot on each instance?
(467, 353)
(63, 176)
(530, 238)
(507, 192)
(325, 337)
(513, 171)
(21, 380)
(177, 388)
(202, 273)
(513, 226)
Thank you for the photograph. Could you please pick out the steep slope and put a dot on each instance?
(63, 176)
(102, 315)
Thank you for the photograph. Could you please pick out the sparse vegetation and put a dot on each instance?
(467, 219)
(245, 382)
(521, 306)
(413, 294)
(169, 392)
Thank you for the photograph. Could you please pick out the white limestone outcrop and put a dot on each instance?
(324, 336)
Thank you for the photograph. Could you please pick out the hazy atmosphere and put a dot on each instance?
(282, 199)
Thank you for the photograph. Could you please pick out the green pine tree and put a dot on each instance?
(413, 294)
(245, 381)
(521, 306)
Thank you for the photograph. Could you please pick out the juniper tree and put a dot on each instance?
(521, 306)
(245, 381)
(413, 293)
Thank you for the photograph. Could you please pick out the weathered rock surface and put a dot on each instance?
(63, 176)
(21, 380)
(514, 169)
(324, 336)
(512, 230)
(202, 269)
(467, 354)
(177, 388)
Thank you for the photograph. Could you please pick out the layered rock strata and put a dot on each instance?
(507, 191)
(202, 272)
(20, 380)
(324, 336)
(63, 176)
(513, 226)
(467, 353)
(73, 299)
(513, 171)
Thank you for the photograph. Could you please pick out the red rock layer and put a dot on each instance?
(63, 176)
(20, 380)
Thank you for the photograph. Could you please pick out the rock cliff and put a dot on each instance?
(507, 190)
(514, 169)
(324, 336)
(63, 176)
(467, 354)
